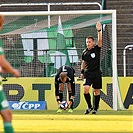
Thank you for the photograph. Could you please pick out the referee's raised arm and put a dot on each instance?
(99, 32)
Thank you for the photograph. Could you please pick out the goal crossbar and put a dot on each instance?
(46, 13)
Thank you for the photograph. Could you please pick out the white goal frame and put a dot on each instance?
(114, 36)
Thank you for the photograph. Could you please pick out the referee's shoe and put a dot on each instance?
(94, 112)
(88, 110)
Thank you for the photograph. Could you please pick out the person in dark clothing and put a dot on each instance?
(64, 75)
(90, 70)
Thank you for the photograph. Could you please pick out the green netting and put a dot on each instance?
(28, 41)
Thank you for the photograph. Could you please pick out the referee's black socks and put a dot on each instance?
(96, 102)
(88, 99)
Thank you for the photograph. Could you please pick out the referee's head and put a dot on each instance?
(90, 42)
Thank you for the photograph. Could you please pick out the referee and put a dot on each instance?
(90, 70)
(64, 75)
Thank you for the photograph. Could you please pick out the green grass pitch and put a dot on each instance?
(48, 121)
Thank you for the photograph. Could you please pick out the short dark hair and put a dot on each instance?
(90, 37)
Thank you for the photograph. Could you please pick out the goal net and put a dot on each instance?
(38, 43)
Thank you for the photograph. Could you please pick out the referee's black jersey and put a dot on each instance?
(70, 73)
(92, 58)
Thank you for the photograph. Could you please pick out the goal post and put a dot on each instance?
(114, 64)
(32, 25)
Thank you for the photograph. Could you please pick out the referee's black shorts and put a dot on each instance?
(93, 78)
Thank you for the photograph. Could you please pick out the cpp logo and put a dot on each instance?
(25, 105)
